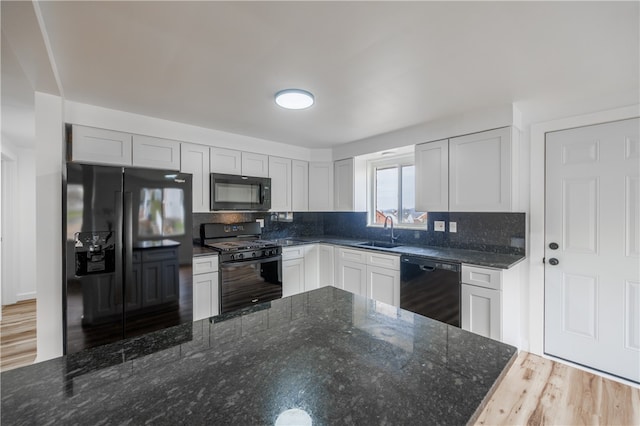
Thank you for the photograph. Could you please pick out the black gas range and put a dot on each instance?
(250, 268)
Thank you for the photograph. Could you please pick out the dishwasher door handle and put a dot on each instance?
(427, 268)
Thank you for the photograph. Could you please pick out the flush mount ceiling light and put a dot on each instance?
(294, 99)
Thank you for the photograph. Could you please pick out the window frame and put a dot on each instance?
(397, 161)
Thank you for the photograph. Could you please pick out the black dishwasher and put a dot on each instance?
(430, 288)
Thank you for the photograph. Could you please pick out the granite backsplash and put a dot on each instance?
(489, 232)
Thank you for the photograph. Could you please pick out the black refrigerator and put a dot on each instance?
(128, 250)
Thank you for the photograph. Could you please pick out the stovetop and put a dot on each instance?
(240, 245)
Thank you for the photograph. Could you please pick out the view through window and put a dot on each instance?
(394, 193)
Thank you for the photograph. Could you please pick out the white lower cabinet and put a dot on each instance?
(299, 269)
(490, 302)
(481, 311)
(326, 269)
(205, 287)
(370, 274)
(352, 277)
(383, 285)
(292, 277)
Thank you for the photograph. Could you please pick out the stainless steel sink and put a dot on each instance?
(378, 244)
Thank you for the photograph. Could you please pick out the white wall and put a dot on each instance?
(470, 122)
(94, 116)
(49, 143)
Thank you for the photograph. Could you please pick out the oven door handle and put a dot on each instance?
(251, 261)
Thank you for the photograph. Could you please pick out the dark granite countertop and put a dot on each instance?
(342, 358)
(480, 258)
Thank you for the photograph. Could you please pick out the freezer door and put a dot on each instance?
(158, 248)
(93, 295)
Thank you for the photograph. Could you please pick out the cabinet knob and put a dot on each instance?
(553, 246)
(553, 261)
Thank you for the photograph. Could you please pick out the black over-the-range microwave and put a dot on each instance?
(234, 192)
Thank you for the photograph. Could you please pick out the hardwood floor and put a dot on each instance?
(18, 335)
(535, 391)
(539, 391)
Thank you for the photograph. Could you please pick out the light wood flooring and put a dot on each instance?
(539, 391)
(18, 335)
(535, 391)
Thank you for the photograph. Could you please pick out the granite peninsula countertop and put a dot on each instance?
(342, 358)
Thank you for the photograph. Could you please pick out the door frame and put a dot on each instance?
(537, 209)
(9, 181)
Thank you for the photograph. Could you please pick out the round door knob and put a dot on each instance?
(553, 261)
(553, 246)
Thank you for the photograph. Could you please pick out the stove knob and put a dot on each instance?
(253, 254)
(231, 256)
(240, 256)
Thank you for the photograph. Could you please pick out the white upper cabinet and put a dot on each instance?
(320, 186)
(481, 171)
(99, 146)
(194, 159)
(255, 164)
(228, 161)
(432, 176)
(156, 153)
(280, 174)
(299, 185)
(349, 185)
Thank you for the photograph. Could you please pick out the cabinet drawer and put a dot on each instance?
(482, 277)
(205, 264)
(349, 255)
(153, 255)
(383, 260)
(296, 252)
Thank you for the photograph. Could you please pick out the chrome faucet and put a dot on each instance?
(390, 219)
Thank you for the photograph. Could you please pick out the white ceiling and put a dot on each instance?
(374, 67)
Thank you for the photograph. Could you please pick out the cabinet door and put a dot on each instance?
(299, 186)
(326, 275)
(481, 310)
(321, 187)
(432, 176)
(280, 174)
(227, 161)
(194, 159)
(383, 285)
(170, 281)
(343, 184)
(480, 175)
(151, 283)
(311, 265)
(352, 277)
(155, 153)
(205, 295)
(99, 146)
(292, 277)
(255, 164)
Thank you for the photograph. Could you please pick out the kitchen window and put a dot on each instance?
(392, 183)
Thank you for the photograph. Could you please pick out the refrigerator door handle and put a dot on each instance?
(118, 246)
(129, 284)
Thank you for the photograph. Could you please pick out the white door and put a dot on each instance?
(592, 282)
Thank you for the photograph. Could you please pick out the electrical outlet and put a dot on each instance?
(453, 227)
(261, 222)
(438, 225)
